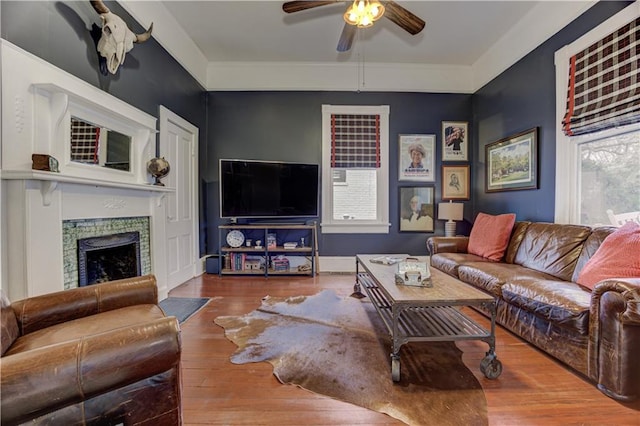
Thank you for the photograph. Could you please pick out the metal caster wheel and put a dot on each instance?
(491, 367)
(395, 369)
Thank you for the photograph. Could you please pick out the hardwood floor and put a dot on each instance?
(532, 390)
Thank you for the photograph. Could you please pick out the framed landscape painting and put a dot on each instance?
(455, 141)
(416, 209)
(512, 163)
(417, 158)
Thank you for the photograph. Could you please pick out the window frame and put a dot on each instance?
(567, 148)
(381, 224)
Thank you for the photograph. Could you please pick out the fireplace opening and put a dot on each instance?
(108, 258)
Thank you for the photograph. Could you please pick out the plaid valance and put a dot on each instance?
(604, 89)
(355, 141)
(84, 142)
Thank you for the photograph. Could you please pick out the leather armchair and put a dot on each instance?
(100, 354)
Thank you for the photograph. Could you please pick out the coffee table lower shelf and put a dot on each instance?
(411, 323)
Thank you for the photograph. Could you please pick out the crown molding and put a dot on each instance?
(532, 30)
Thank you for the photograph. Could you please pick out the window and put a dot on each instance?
(599, 170)
(355, 169)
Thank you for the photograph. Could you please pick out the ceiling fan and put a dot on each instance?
(362, 14)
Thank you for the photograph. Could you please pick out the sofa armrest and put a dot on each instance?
(46, 379)
(614, 338)
(44, 311)
(447, 245)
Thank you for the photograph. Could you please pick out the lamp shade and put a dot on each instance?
(450, 211)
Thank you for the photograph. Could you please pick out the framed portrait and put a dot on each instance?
(417, 158)
(455, 141)
(455, 182)
(416, 209)
(512, 163)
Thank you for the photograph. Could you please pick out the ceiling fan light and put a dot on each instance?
(376, 9)
(362, 13)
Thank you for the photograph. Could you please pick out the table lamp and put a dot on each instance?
(450, 212)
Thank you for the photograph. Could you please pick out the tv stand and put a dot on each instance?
(266, 259)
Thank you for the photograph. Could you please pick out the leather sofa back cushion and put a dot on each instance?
(590, 247)
(552, 248)
(490, 235)
(617, 257)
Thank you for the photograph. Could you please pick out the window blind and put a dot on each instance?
(355, 141)
(604, 85)
(84, 142)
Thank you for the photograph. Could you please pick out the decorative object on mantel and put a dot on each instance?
(158, 168)
(44, 162)
(450, 212)
(117, 39)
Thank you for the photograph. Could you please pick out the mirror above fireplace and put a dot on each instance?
(99, 146)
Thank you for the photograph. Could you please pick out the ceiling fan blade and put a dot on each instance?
(403, 18)
(297, 6)
(346, 38)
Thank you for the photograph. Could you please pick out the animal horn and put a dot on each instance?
(99, 6)
(141, 38)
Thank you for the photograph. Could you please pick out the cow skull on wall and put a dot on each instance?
(117, 39)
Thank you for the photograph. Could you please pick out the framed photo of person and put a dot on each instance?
(512, 162)
(416, 209)
(455, 141)
(455, 182)
(417, 158)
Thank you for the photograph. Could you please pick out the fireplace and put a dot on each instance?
(104, 249)
(108, 258)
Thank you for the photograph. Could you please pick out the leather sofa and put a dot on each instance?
(100, 354)
(596, 333)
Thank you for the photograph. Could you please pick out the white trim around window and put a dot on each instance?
(381, 224)
(566, 198)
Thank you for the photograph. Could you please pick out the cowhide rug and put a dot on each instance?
(340, 348)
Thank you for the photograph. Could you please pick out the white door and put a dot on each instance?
(179, 145)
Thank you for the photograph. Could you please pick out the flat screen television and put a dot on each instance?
(268, 189)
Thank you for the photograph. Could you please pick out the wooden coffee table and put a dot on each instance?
(419, 314)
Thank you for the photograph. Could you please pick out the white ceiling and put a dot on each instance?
(254, 45)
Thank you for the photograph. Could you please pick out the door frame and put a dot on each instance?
(167, 116)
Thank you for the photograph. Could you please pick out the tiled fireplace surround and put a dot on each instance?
(40, 207)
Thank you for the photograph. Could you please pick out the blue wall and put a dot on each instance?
(519, 99)
(287, 125)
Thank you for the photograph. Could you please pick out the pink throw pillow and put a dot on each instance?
(617, 257)
(490, 235)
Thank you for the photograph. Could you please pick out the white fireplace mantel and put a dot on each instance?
(38, 101)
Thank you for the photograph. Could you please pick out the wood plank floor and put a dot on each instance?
(532, 390)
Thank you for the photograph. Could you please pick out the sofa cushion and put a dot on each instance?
(491, 276)
(590, 247)
(617, 257)
(450, 262)
(552, 248)
(560, 302)
(490, 235)
(86, 326)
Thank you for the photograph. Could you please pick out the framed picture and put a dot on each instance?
(416, 209)
(455, 182)
(512, 163)
(455, 141)
(417, 158)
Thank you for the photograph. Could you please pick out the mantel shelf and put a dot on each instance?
(55, 178)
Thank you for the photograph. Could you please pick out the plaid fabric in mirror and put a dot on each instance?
(355, 141)
(604, 83)
(84, 141)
